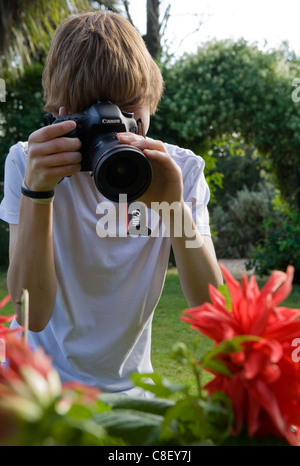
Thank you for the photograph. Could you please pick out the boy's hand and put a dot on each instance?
(52, 157)
(166, 184)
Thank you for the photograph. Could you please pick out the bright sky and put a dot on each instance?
(273, 21)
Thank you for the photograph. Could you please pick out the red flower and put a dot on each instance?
(264, 385)
(29, 384)
(76, 393)
(30, 387)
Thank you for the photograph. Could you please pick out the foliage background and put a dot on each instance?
(231, 103)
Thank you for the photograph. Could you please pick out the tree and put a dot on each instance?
(26, 27)
(152, 37)
(234, 88)
(155, 27)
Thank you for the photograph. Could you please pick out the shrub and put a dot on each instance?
(280, 247)
(22, 113)
(238, 226)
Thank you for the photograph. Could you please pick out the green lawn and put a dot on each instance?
(169, 329)
(8, 309)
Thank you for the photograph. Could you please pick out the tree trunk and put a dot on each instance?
(152, 37)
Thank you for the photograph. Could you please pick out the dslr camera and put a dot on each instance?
(117, 168)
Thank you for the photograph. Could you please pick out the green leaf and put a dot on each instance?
(194, 420)
(148, 405)
(161, 387)
(224, 290)
(184, 422)
(180, 352)
(134, 427)
(216, 365)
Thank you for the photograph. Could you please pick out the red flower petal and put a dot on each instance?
(270, 404)
(5, 301)
(278, 286)
(234, 288)
(253, 412)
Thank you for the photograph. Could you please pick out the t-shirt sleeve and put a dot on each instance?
(196, 191)
(13, 175)
(199, 196)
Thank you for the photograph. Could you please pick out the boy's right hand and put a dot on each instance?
(52, 156)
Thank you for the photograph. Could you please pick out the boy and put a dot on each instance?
(92, 299)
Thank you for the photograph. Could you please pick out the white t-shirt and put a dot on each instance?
(100, 331)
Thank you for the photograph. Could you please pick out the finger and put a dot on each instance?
(62, 171)
(55, 165)
(63, 111)
(52, 131)
(164, 161)
(151, 144)
(128, 138)
(55, 146)
(159, 156)
(63, 159)
(141, 142)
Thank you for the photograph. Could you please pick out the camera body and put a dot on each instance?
(117, 168)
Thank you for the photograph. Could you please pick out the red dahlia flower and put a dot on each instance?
(263, 378)
(29, 384)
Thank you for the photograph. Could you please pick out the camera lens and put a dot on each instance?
(121, 169)
(122, 172)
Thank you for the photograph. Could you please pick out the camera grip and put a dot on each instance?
(71, 134)
(49, 119)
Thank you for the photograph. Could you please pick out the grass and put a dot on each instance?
(8, 309)
(168, 329)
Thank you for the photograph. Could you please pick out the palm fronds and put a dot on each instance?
(26, 27)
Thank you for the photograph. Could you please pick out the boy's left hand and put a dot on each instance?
(166, 184)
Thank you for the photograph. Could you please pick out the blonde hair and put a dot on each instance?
(99, 56)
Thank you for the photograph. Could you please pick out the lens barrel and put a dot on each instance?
(120, 169)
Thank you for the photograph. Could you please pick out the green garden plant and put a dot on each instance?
(238, 224)
(280, 246)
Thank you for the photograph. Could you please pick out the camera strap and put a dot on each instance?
(137, 221)
(141, 128)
